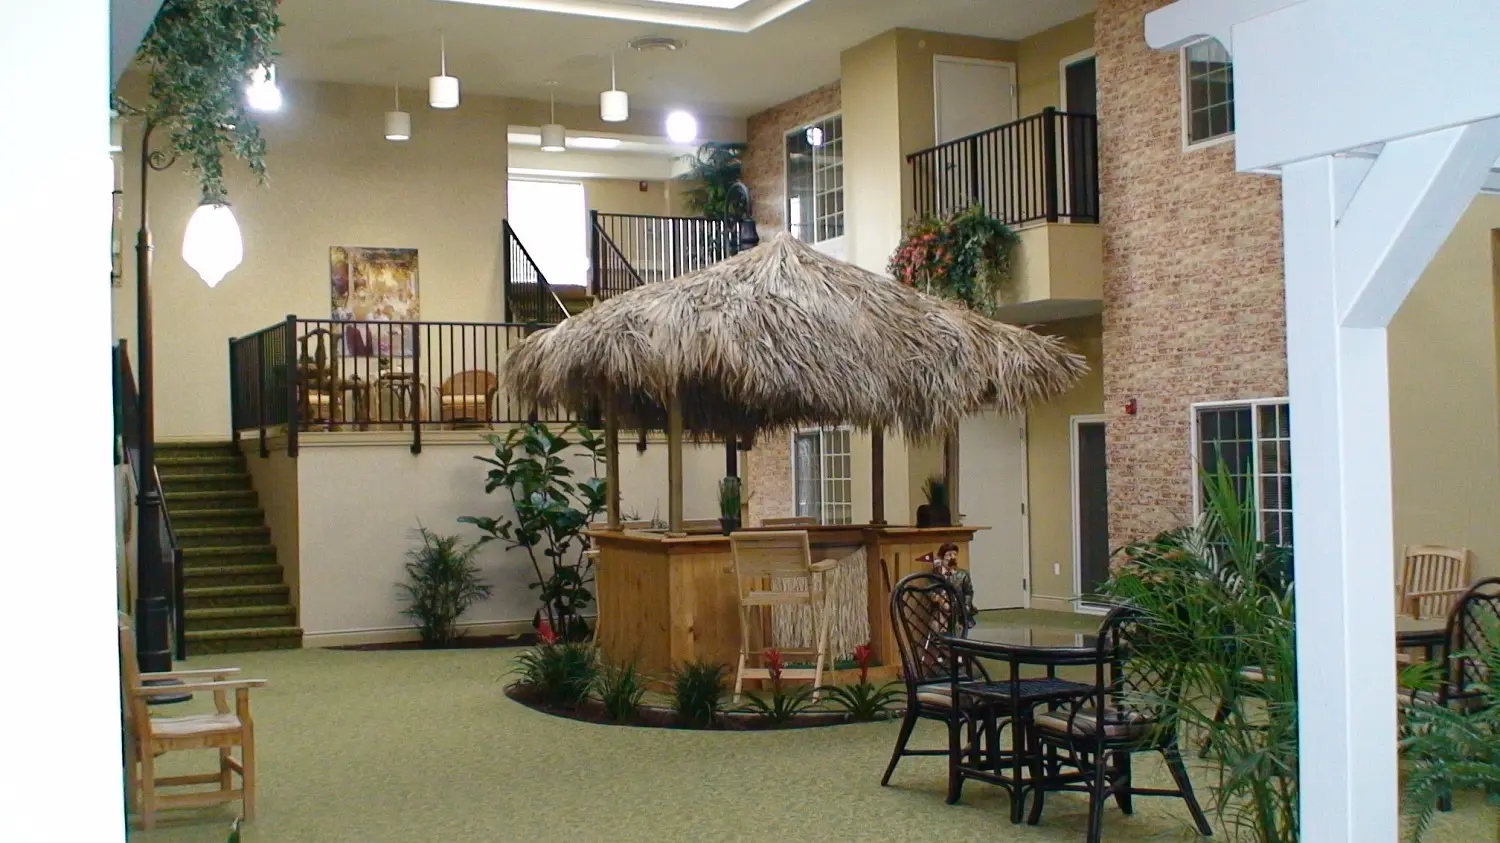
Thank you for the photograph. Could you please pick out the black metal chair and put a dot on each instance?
(1129, 710)
(923, 607)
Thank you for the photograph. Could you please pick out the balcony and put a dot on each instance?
(1040, 175)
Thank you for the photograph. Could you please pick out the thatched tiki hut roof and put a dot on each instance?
(784, 336)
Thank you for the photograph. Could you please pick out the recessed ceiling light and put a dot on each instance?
(657, 43)
(682, 127)
(594, 143)
(710, 4)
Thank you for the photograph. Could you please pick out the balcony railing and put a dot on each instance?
(1042, 167)
(529, 299)
(329, 375)
(627, 250)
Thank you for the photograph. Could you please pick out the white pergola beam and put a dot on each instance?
(1413, 196)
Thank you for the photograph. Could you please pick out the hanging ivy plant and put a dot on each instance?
(965, 257)
(199, 55)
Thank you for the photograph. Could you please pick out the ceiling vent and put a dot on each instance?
(656, 44)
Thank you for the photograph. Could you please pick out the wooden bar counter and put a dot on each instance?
(665, 600)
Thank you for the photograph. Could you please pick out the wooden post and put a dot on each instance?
(877, 475)
(950, 473)
(612, 464)
(731, 457)
(674, 464)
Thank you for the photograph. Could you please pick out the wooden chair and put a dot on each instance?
(146, 737)
(760, 559)
(321, 383)
(1432, 580)
(468, 396)
(795, 521)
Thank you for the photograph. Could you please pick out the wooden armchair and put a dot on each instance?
(1432, 580)
(146, 737)
(468, 397)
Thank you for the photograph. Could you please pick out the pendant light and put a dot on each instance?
(554, 136)
(398, 122)
(442, 90)
(212, 245)
(614, 105)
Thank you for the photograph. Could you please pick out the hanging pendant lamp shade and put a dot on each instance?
(212, 245)
(398, 122)
(442, 90)
(554, 136)
(614, 105)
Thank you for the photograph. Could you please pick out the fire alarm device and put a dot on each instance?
(645, 187)
(1130, 407)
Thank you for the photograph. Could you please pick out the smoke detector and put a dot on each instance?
(656, 44)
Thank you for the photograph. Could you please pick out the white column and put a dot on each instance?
(1342, 511)
(62, 773)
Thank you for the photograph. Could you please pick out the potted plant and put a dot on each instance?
(729, 504)
(935, 512)
(965, 257)
(443, 582)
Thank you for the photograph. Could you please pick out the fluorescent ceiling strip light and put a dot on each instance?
(697, 16)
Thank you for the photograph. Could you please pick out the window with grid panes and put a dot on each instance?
(823, 472)
(1208, 91)
(1254, 441)
(815, 180)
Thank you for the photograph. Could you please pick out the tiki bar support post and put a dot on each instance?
(726, 353)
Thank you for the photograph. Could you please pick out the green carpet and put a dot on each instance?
(411, 746)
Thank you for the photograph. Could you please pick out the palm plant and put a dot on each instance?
(443, 582)
(1218, 603)
(716, 169)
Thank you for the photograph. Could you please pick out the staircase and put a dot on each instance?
(236, 597)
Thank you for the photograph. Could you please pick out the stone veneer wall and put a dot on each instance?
(1193, 289)
(768, 466)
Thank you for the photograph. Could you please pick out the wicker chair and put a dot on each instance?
(468, 397)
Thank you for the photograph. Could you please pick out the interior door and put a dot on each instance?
(1090, 507)
(991, 494)
(1081, 96)
(969, 96)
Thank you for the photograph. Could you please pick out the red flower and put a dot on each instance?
(862, 655)
(775, 664)
(544, 632)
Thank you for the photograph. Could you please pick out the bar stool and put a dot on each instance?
(762, 558)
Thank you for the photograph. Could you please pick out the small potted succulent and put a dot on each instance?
(729, 504)
(935, 512)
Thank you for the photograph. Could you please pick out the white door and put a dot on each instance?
(992, 493)
(971, 95)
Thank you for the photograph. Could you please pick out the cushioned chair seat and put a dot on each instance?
(1086, 724)
(938, 695)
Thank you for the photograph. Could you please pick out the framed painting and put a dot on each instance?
(374, 284)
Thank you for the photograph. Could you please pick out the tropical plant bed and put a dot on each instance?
(664, 717)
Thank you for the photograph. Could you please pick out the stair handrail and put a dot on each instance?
(544, 289)
(601, 238)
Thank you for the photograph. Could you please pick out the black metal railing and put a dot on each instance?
(1042, 167)
(627, 250)
(529, 298)
(127, 452)
(330, 375)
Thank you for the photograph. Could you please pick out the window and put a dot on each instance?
(823, 475)
(551, 218)
(815, 181)
(1254, 439)
(1207, 91)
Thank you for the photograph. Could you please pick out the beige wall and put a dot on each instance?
(1039, 62)
(872, 151)
(1445, 419)
(622, 196)
(276, 487)
(335, 181)
(1049, 464)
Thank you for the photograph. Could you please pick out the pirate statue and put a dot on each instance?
(945, 565)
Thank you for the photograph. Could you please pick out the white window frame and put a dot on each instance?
(833, 246)
(824, 502)
(1185, 106)
(1253, 405)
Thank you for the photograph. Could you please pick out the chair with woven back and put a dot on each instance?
(762, 561)
(468, 398)
(1432, 579)
(147, 737)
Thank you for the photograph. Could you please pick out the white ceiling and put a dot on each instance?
(513, 52)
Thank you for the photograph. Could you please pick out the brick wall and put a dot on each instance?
(768, 468)
(1193, 297)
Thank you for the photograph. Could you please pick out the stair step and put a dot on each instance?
(218, 557)
(221, 446)
(230, 596)
(189, 519)
(240, 617)
(226, 537)
(211, 641)
(224, 482)
(178, 466)
(219, 576)
(235, 499)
